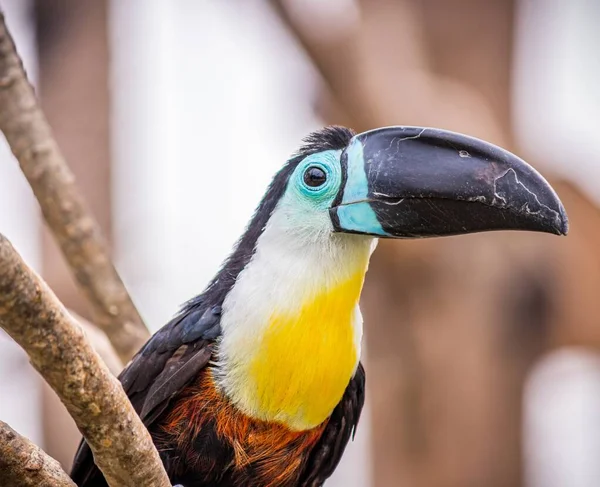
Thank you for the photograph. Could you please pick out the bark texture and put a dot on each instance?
(64, 209)
(58, 349)
(23, 464)
(100, 344)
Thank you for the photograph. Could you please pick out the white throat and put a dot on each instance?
(291, 324)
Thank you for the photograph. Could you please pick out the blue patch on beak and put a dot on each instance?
(354, 213)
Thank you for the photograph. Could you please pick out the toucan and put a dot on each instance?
(257, 382)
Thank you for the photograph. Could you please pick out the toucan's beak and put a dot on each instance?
(425, 182)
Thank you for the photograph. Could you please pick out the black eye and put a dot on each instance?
(314, 177)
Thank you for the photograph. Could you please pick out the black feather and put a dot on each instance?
(342, 424)
(179, 371)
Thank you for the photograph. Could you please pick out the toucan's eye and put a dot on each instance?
(314, 177)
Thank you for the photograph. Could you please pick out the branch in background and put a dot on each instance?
(57, 348)
(63, 207)
(335, 59)
(100, 343)
(23, 464)
(372, 65)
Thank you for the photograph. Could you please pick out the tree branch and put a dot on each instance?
(23, 464)
(57, 348)
(371, 66)
(336, 60)
(63, 207)
(100, 343)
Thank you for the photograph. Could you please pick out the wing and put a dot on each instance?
(168, 362)
(342, 425)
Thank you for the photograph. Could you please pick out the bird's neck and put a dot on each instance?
(292, 328)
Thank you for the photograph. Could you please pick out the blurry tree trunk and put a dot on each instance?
(453, 334)
(72, 40)
(471, 42)
(453, 325)
(458, 373)
(462, 342)
(73, 53)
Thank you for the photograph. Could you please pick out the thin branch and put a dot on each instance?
(23, 464)
(66, 213)
(58, 349)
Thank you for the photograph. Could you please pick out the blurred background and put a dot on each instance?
(482, 351)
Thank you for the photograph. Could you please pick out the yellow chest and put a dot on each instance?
(305, 361)
(301, 362)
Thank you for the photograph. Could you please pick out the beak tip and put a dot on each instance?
(563, 228)
(559, 223)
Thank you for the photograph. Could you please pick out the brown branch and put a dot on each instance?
(23, 464)
(58, 349)
(378, 72)
(336, 60)
(60, 431)
(100, 343)
(63, 207)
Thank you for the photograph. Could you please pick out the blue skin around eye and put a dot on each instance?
(300, 201)
(358, 217)
(329, 162)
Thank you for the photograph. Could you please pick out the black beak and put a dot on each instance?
(424, 182)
